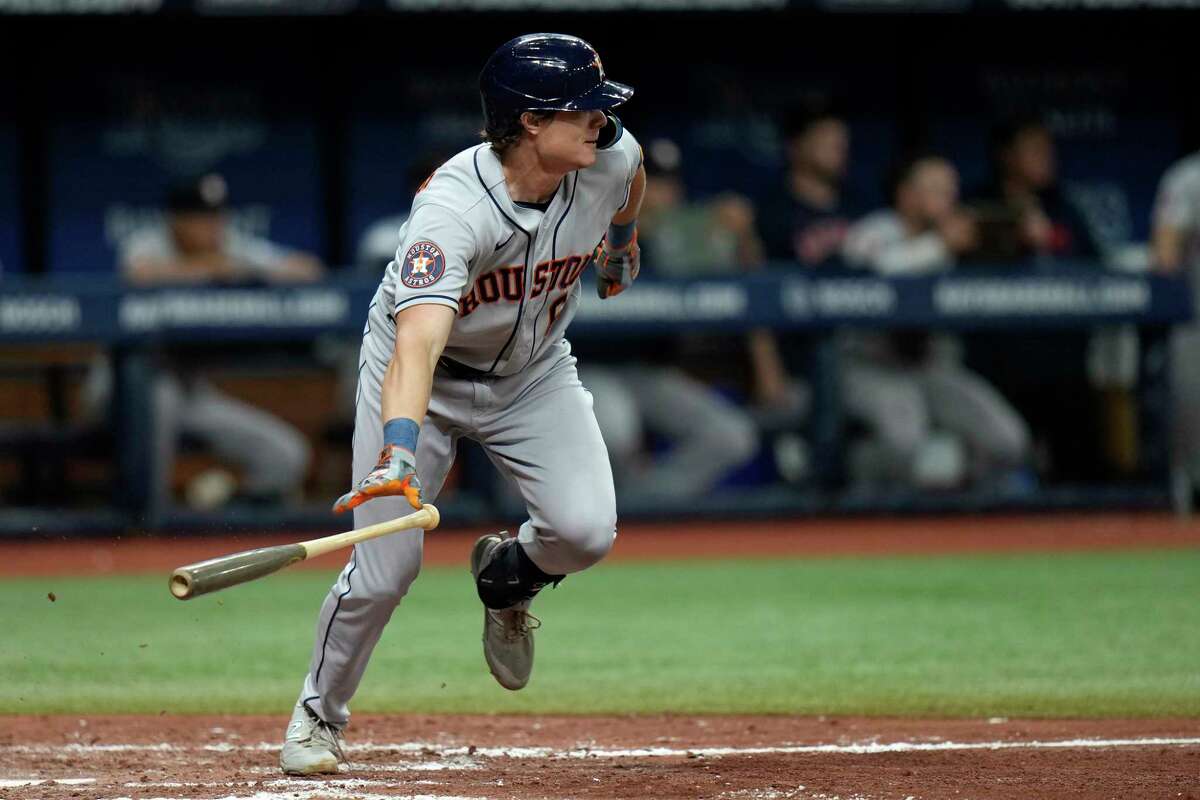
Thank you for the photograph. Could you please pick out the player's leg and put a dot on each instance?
(618, 416)
(1185, 401)
(367, 591)
(274, 456)
(709, 434)
(541, 432)
(170, 405)
(966, 405)
(891, 404)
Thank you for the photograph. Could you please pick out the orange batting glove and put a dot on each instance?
(395, 474)
(616, 269)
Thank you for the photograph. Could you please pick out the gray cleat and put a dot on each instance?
(507, 633)
(311, 746)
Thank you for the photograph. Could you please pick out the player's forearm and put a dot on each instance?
(421, 334)
(770, 376)
(1166, 249)
(633, 206)
(406, 388)
(927, 253)
(150, 272)
(299, 268)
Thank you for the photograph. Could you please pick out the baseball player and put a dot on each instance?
(465, 338)
(1176, 250)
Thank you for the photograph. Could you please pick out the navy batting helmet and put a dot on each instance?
(545, 72)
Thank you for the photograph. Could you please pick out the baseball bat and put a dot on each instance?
(220, 573)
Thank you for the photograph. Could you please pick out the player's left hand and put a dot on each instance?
(616, 269)
(395, 474)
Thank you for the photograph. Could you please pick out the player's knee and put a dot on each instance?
(168, 396)
(597, 543)
(291, 459)
(385, 593)
(588, 536)
(734, 438)
(1010, 441)
(904, 432)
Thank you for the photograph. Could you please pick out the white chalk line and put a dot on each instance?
(314, 794)
(277, 783)
(13, 783)
(444, 752)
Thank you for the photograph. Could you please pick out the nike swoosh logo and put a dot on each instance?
(506, 241)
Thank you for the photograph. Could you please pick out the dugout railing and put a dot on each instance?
(132, 325)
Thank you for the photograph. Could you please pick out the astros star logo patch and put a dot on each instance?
(423, 264)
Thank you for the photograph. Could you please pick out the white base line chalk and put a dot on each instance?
(442, 751)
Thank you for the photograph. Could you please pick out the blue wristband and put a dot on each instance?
(401, 432)
(621, 235)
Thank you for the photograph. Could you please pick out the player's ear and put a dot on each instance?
(534, 121)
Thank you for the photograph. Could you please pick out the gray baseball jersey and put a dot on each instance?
(512, 275)
(1178, 205)
(511, 272)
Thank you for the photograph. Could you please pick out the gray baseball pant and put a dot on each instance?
(538, 428)
(273, 455)
(710, 436)
(902, 405)
(1185, 398)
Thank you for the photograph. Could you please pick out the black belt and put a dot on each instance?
(456, 370)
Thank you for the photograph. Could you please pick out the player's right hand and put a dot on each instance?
(395, 474)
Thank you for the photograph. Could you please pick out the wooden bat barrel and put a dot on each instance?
(219, 573)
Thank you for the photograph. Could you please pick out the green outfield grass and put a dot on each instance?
(1115, 634)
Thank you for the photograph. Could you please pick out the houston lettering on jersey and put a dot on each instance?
(508, 283)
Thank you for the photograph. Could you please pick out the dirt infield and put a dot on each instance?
(819, 537)
(607, 757)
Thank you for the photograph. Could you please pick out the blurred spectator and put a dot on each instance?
(683, 239)
(1176, 250)
(195, 244)
(805, 218)
(924, 231)
(377, 246)
(1024, 213)
(707, 435)
(910, 389)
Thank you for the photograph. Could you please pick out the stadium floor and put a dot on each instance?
(731, 757)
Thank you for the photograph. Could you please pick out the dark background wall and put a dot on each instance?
(315, 121)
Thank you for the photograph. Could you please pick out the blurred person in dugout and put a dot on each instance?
(805, 217)
(195, 244)
(1027, 214)
(802, 220)
(665, 393)
(932, 423)
(1024, 213)
(1175, 250)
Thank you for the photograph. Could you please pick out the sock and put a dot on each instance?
(511, 577)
